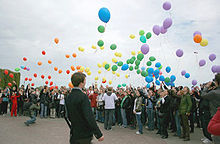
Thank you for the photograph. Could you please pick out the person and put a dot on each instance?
(44, 101)
(93, 98)
(100, 107)
(52, 107)
(214, 126)
(61, 106)
(109, 99)
(14, 97)
(124, 106)
(79, 113)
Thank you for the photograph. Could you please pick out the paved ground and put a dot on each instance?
(55, 131)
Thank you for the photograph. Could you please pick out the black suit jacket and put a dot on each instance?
(165, 107)
(79, 112)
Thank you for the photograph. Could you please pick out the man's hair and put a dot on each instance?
(217, 78)
(78, 78)
(110, 89)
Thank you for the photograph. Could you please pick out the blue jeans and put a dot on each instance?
(178, 126)
(100, 116)
(150, 116)
(108, 118)
(32, 120)
(140, 125)
(96, 115)
(43, 112)
(124, 118)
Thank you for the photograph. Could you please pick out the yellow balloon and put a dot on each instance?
(99, 71)
(87, 69)
(110, 82)
(133, 53)
(82, 68)
(204, 42)
(104, 63)
(132, 36)
(118, 74)
(109, 69)
(119, 55)
(94, 47)
(139, 52)
(126, 76)
(96, 78)
(99, 65)
(113, 72)
(102, 48)
(103, 79)
(116, 54)
(114, 60)
(89, 73)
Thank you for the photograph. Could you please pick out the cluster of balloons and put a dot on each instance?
(23, 67)
(184, 73)
(118, 54)
(121, 85)
(81, 49)
(197, 37)
(143, 38)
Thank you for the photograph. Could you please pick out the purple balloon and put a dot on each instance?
(167, 23)
(183, 72)
(166, 5)
(179, 52)
(156, 29)
(202, 62)
(197, 32)
(194, 82)
(145, 49)
(163, 30)
(212, 57)
(214, 68)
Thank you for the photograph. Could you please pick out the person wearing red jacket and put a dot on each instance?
(214, 126)
(93, 99)
(14, 103)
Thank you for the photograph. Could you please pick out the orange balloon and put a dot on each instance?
(80, 71)
(78, 67)
(71, 85)
(197, 38)
(67, 56)
(74, 55)
(39, 63)
(55, 68)
(49, 61)
(60, 71)
(72, 68)
(56, 40)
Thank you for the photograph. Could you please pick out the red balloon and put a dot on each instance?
(56, 87)
(51, 83)
(46, 82)
(32, 84)
(9, 84)
(11, 75)
(25, 68)
(68, 71)
(43, 52)
(42, 76)
(49, 77)
(51, 87)
(25, 59)
(35, 75)
(26, 79)
(6, 72)
(30, 79)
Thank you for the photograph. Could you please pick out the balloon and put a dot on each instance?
(157, 64)
(172, 78)
(194, 82)
(107, 66)
(133, 53)
(179, 53)
(143, 39)
(81, 49)
(124, 67)
(28, 69)
(78, 67)
(113, 46)
(216, 69)
(187, 75)
(150, 70)
(152, 58)
(148, 35)
(51, 88)
(143, 68)
(160, 73)
(162, 78)
(89, 73)
(148, 79)
(166, 5)
(156, 72)
(148, 85)
(157, 76)
(167, 79)
(183, 72)
(102, 48)
(119, 86)
(137, 62)
(25, 68)
(17, 69)
(126, 76)
(149, 63)
(110, 82)
(160, 67)
(101, 29)
(74, 55)
(24, 59)
(118, 75)
(163, 30)
(82, 68)
(96, 78)
(197, 38)
(26, 79)
(145, 49)
(139, 52)
(67, 56)
(11, 75)
(119, 54)
(131, 68)
(212, 57)
(114, 67)
(30, 79)
(204, 42)
(140, 56)
(49, 77)
(39, 63)
(167, 23)
(132, 36)
(72, 68)
(124, 85)
(6, 72)
(70, 85)
(56, 40)
(55, 68)
(156, 29)
(136, 67)
(168, 69)
(99, 71)
(46, 82)
(43, 52)
(99, 65)
(49, 61)
(51, 83)
(60, 71)
(56, 87)
(157, 82)
(42, 76)
(100, 43)
(87, 69)
(128, 61)
(120, 63)
(141, 32)
(138, 71)
(197, 32)
(144, 73)
(9, 84)
(35, 75)
(104, 15)
(202, 62)
(68, 71)
(113, 72)
(114, 60)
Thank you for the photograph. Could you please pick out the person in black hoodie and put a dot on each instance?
(192, 113)
(44, 101)
(79, 112)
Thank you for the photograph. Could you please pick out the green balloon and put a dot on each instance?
(119, 85)
(140, 56)
(100, 43)
(134, 58)
(160, 67)
(107, 66)
(124, 85)
(152, 58)
(113, 46)
(167, 79)
(148, 35)
(141, 32)
(147, 69)
(131, 61)
(114, 67)
(131, 68)
(149, 63)
(120, 63)
(144, 73)
(137, 62)
(128, 61)
(138, 71)
(101, 29)
(136, 67)
(17, 69)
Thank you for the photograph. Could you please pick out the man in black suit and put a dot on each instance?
(79, 112)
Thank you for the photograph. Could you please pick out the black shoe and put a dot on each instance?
(164, 137)
(158, 132)
(186, 139)
(191, 131)
(26, 123)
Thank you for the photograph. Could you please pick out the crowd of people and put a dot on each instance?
(177, 108)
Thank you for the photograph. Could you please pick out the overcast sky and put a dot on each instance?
(27, 27)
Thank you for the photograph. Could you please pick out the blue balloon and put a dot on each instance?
(173, 84)
(151, 75)
(143, 39)
(148, 85)
(156, 76)
(148, 79)
(168, 69)
(124, 67)
(187, 75)
(168, 84)
(104, 15)
(150, 70)
(156, 72)
(158, 64)
(172, 78)
(22, 67)
(161, 78)
(157, 82)
(143, 68)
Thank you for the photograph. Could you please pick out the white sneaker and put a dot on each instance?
(138, 133)
(202, 139)
(207, 141)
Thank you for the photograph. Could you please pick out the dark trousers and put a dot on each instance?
(191, 119)
(185, 125)
(205, 118)
(20, 109)
(81, 141)
(61, 111)
(164, 124)
(108, 118)
(118, 115)
(172, 120)
(4, 107)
